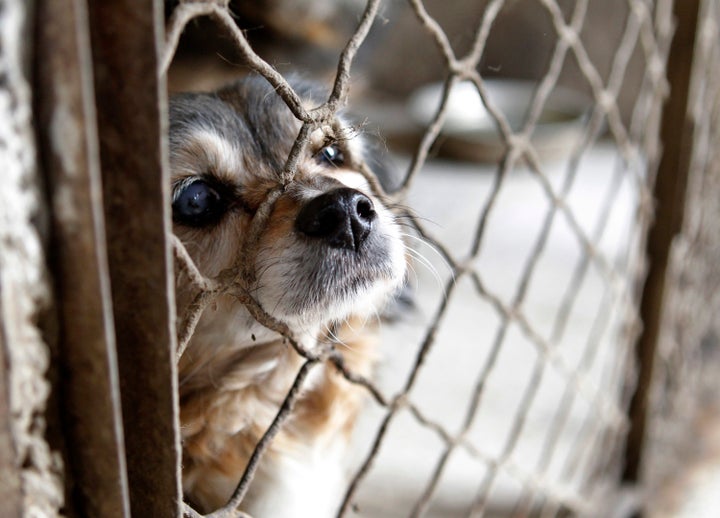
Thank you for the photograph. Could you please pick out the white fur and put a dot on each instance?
(307, 483)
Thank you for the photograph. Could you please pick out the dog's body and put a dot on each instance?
(330, 254)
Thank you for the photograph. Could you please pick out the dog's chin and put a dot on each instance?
(332, 304)
(335, 310)
(317, 289)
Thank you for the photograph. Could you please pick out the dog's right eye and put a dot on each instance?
(198, 204)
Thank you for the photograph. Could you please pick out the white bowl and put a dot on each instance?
(470, 131)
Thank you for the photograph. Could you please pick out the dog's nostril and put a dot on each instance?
(343, 218)
(364, 208)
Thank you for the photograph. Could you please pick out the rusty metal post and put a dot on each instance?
(131, 111)
(676, 134)
(87, 379)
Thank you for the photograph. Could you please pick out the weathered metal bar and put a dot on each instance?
(676, 134)
(87, 377)
(10, 496)
(131, 110)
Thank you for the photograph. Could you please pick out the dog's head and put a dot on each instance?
(330, 248)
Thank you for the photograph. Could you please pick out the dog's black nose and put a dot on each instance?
(342, 217)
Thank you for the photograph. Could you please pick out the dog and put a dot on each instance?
(331, 254)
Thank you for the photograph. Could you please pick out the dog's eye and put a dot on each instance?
(198, 204)
(331, 154)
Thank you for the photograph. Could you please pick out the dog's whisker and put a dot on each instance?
(416, 253)
(374, 313)
(336, 339)
(427, 264)
(433, 249)
(411, 269)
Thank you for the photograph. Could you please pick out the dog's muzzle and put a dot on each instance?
(342, 218)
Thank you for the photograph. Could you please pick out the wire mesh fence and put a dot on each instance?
(507, 389)
(594, 380)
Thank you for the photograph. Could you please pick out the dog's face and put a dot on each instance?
(330, 248)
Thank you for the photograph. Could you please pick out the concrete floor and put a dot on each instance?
(450, 196)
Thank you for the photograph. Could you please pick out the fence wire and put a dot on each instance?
(590, 467)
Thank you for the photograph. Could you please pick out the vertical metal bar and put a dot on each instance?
(10, 498)
(676, 134)
(131, 111)
(87, 364)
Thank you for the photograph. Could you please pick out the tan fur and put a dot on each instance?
(219, 435)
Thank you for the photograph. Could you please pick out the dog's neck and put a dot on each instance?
(228, 341)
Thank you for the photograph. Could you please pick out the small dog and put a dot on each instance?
(330, 255)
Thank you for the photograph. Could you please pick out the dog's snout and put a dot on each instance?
(343, 218)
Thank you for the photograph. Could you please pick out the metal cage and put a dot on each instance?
(89, 334)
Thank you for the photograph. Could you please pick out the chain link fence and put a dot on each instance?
(512, 387)
(576, 489)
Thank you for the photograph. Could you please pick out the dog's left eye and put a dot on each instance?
(331, 154)
(198, 204)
